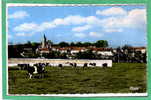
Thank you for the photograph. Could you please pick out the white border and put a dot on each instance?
(31, 4)
(66, 95)
(87, 95)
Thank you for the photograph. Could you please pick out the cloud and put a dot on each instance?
(45, 25)
(59, 21)
(95, 34)
(112, 11)
(27, 27)
(75, 20)
(110, 30)
(92, 20)
(80, 35)
(20, 34)
(69, 20)
(135, 18)
(81, 28)
(18, 15)
(23, 34)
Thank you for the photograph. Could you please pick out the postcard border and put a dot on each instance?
(4, 48)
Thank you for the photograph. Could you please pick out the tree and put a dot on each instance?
(72, 44)
(87, 44)
(28, 43)
(63, 44)
(86, 55)
(127, 47)
(101, 43)
(79, 44)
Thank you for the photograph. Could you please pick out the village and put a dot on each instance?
(63, 51)
(76, 50)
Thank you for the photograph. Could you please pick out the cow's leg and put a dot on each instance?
(19, 68)
(30, 76)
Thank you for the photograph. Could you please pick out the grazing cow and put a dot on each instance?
(73, 65)
(92, 64)
(104, 65)
(37, 69)
(60, 65)
(85, 65)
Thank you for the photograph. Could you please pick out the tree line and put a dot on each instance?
(99, 43)
(15, 50)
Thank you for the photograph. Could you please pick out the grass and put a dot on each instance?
(117, 79)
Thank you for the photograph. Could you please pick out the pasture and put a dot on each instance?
(117, 79)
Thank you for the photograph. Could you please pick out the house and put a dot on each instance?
(103, 51)
(140, 49)
(75, 50)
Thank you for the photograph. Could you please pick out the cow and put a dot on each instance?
(60, 65)
(85, 65)
(92, 64)
(104, 65)
(37, 69)
(73, 65)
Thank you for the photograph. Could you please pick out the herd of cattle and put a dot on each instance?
(39, 68)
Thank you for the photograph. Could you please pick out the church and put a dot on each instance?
(45, 46)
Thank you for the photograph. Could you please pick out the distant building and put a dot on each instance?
(103, 51)
(45, 47)
(140, 49)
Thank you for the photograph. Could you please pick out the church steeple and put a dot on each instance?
(44, 41)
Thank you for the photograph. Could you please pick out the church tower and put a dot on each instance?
(44, 42)
(45, 47)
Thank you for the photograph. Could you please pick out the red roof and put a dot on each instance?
(43, 49)
(83, 48)
(101, 49)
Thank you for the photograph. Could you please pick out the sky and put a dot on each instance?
(119, 25)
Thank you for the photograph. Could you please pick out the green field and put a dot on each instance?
(117, 79)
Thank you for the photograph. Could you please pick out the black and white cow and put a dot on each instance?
(37, 69)
(92, 64)
(73, 65)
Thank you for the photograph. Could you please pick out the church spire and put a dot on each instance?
(44, 40)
